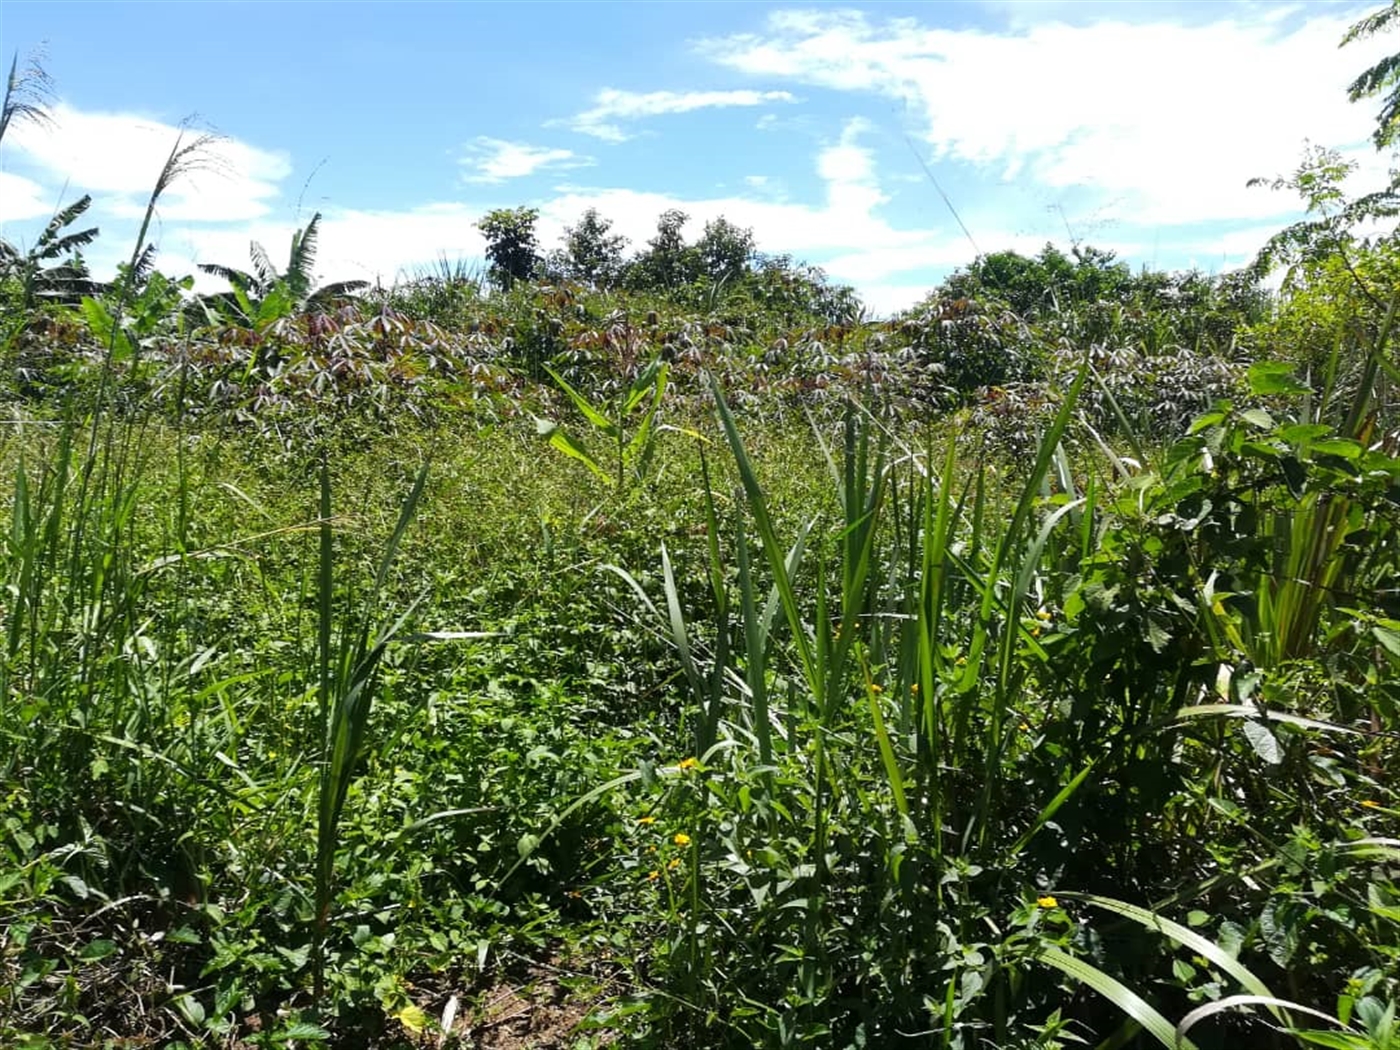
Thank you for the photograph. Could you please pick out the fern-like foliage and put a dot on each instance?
(1381, 79)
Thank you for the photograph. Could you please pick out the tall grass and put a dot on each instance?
(958, 682)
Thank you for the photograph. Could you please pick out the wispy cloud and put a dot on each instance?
(1107, 106)
(611, 107)
(496, 160)
(22, 198)
(117, 156)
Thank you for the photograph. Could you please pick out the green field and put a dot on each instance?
(665, 653)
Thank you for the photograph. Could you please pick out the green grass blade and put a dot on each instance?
(887, 756)
(758, 506)
(1119, 995)
(1011, 536)
(602, 422)
(1182, 935)
(571, 446)
(1276, 1007)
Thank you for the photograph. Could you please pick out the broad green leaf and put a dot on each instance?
(570, 446)
(1270, 378)
(1389, 639)
(414, 1018)
(190, 1009)
(1265, 744)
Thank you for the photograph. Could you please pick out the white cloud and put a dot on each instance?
(117, 157)
(1173, 119)
(611, 106)
(375, 246)
(495, 160)
(22, 198)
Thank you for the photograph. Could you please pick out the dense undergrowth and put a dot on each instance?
(1016, 672)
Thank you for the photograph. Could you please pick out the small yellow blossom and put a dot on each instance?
(652, 876)
(1371, 803)
(1025, 727)
(681, 839)
(673, 864)
(1042, 614)
(1047, 902)
(961, 661)
(688, 763)
(914, 688)
(646, 820)
(876, 688)
(1035, 632)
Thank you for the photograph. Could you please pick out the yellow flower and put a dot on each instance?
(1025, 727)
(1047, 902)
(1371, 803)
(875, 688)
(646, 820)
(673, 864)
(1042, 614)
(961, 661)
(914, 688)
(681, 839)
(652, 876)
(688, 763)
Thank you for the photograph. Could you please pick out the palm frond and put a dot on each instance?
(263, 267)
(67, 245)
(63, 217)
(237, 278)
(337, 290)
(302, 257)
(144, 265)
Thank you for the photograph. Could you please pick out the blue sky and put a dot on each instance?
(1128, 126)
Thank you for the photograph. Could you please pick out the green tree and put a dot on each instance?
(592, 253)
(511, 244)
(668, 263)
(725, 250)
(1050, 281)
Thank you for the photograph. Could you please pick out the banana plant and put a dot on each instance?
(267, 294)
(631, 451)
